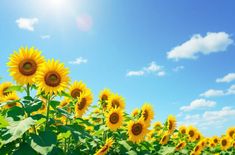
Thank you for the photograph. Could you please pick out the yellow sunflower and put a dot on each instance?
(171, 124)
(52, 77)
(165, 138)
(135, 112)
(147, 113)
(192, 133)
(24, 65)
(182, 129)
(83, 103)
(11, 99)
(105, 94)
(137, 130)
(157, 126)
(114, 119)
(180, 145)
(225, 143)
(104, 150)
(216, 139)
(116, 101)
(198, 149)
(230, 132)
(64, 103)
(3, 89)
(77, 88)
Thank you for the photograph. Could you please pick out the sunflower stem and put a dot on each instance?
(27, 90)
(47, 112)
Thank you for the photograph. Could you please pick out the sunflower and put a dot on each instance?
(114, 118)
(3, 89)
(225, 143)
(52, 77)
(215, 139)
(182, 129)
(199, 136)
(24, 65)
(212, 144)
(104, 150)
(83, 103)
(64, 103)
(230, 132)
(171, 124)
(157, 126)
(197, 149)
(137, 130)
(165, 138)
(105, 94)
(11, 99)
(147, 113)
(135, 112)
(192, 133)
(77, 88)
(180, 145)
(116, 101)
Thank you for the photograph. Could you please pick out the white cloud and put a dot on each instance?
(152, 68)
(178, 68)
(78, 61)
(197, 104)
(210, 118)
(27, 23)
(211, 43)
(45, 37)
(231, 90)
(213, 93)
(227, 78)
(135, 73)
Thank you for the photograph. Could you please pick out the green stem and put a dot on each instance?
(28, 90)
(48, 112)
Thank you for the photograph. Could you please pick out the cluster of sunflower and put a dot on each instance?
(43, 112)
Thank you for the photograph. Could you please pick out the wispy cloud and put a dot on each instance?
(78, 61)
(198, 104)
(178, 68)
(227, 78)
(216, 93)
(211, 43)
(27, 23)
(152, 68)
(45, 37)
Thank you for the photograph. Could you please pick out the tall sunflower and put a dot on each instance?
(83, 103)
(180, 145)
(3, 89)
(192, 133)
(137, 130)
(225, 143)
(104, 149)
(165, 138)
(114, 118)
(77, 88)
(171, 124)
(105, 94)
(147, 113)
(182, 129)
(230, 132)
(11, 99)
(52, 77)
(24, 65)
(116, 101)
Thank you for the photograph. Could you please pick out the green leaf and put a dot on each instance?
(54, 104)
(16, 129)
(34, 106)
(167, 150)
(24, 149)
(16, 113)
(64, 135)
(131, 152)
(15, 88)
(3, 122)
(44, 142)
(125, 145)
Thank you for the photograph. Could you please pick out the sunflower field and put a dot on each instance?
(44, 112)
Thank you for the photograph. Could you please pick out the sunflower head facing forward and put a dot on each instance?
(114, 119)
(116, 101)
(137, 130)
(77, 88)
(24, 65)
(52, 78)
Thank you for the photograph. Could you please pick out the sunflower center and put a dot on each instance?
(180, 145)
(197, 148)
(114, 118)
(5, 92)
(104, 97)
(170, 125)
(82, 104)
(115, 103)
(183, 131)
(216, 140)
(76, 93)
(137, 129)
(191, 133)
(52, 79)
(104, 149)
(146, 115)
(27, 67)
(231, 133)
(224, 142)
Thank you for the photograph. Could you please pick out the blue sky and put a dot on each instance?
(177, 55)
